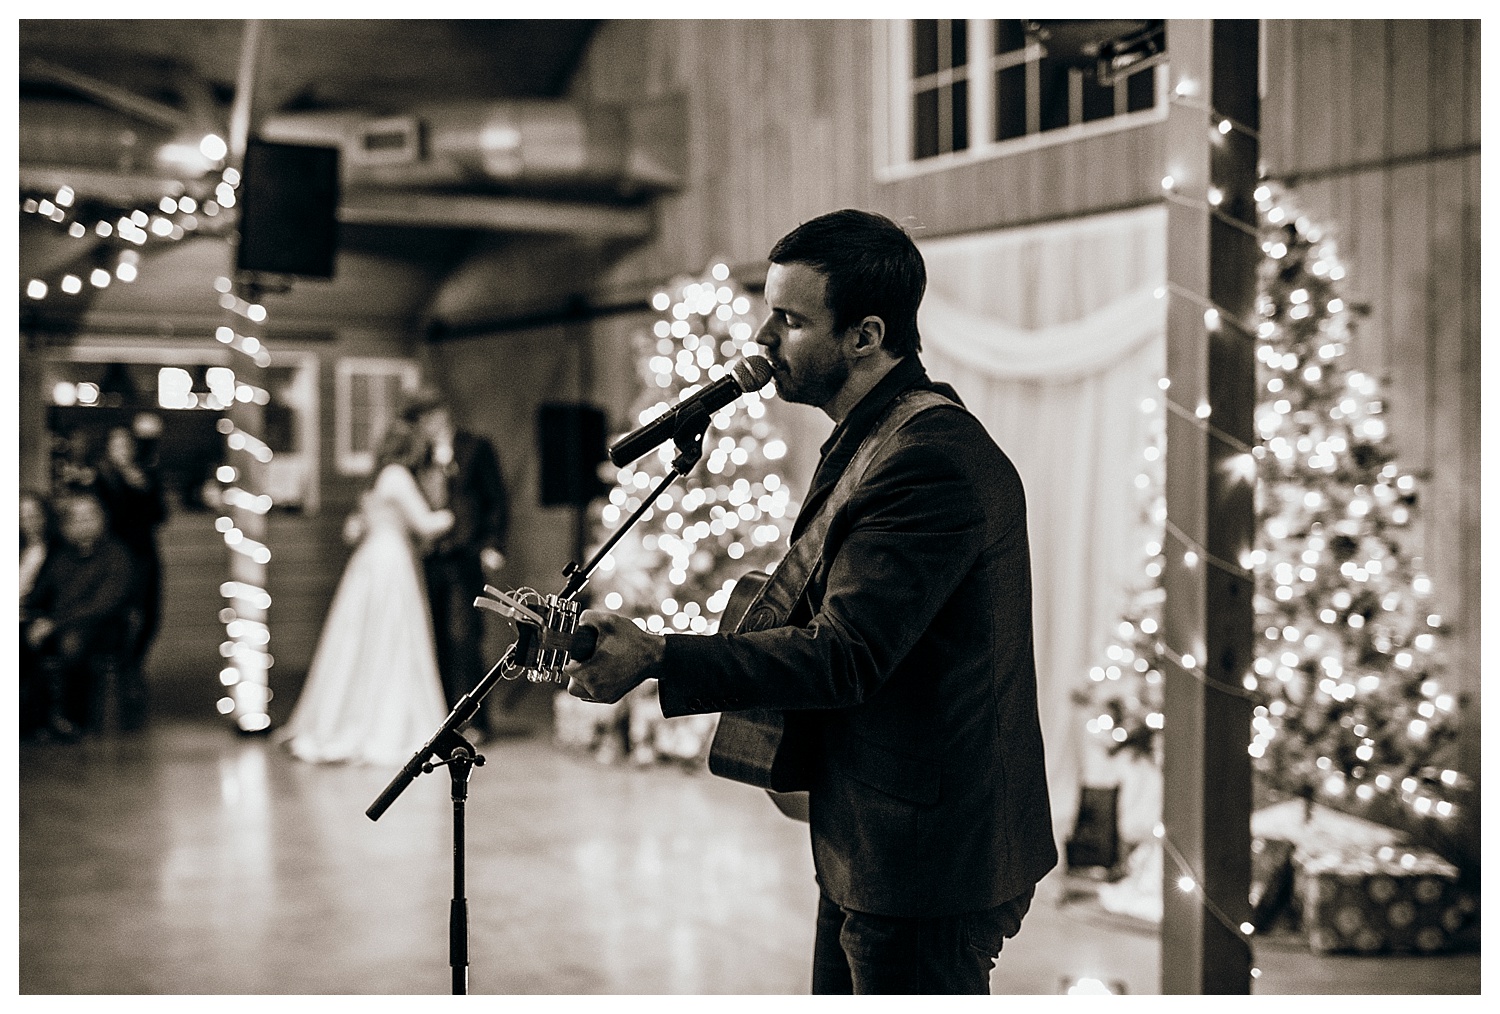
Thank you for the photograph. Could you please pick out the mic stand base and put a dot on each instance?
(462, 759)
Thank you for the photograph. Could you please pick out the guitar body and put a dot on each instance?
(764, 747)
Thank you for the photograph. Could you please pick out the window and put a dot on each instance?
(959, 90)
(367, 395)
(939, 87)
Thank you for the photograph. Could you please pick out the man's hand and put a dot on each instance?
(354, 528)
(624, 657)
(41, 628)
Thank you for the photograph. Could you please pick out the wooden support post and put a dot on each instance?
(1208, 619)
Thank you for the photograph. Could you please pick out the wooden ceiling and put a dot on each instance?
(310, 64)
(376, 66)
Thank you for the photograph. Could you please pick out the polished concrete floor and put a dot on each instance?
(188, 860)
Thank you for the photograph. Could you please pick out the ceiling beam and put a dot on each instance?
(497, 214)
(112, 95)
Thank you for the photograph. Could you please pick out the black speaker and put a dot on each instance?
(289, 202)
(570, 442)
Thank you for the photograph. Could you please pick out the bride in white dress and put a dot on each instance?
(373, 694)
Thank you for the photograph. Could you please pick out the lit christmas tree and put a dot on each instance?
(1351, 707)
(1124, 694)
(1348, 662)
(673, 572)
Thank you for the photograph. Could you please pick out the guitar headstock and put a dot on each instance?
(547, 628)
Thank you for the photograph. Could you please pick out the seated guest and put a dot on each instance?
(79, 611)
(38, 536)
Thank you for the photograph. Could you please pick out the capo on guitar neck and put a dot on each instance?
(509, 607)
(547, 629)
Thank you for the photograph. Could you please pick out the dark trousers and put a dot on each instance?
(453, 582)
(67, 676)
(857, 952)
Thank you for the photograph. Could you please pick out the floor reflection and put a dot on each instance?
(192, 860)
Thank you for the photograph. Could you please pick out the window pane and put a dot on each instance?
(1009, 36)
(1098, 100)
(1053, 93)
(924, 47)
(1010, 102)
(925, 124)
(960, 115)
(1140, 91)
(960, 51)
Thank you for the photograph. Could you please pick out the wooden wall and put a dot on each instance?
(1374, 126)
(781, 126)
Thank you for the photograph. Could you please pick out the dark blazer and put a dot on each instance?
(87, 595)
(911, 658)
(476, 495)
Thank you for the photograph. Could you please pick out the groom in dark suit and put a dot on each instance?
(462, 473)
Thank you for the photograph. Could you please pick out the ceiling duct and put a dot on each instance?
(522, 144)
(488, 165)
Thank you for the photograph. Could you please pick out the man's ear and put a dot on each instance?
(868, 336)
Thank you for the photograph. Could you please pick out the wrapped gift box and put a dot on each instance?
(1386, 898)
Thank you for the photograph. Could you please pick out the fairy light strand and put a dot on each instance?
(1234, 570)
(1190, 665)
(1192, 417)
(1216, 316)
(1171, 194)
(1245, 931)
(1214, 116)
(246, 680)
(1223, 315)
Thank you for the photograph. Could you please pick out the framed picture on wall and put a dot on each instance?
(367, 394)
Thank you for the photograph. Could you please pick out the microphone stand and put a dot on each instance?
(448, 748)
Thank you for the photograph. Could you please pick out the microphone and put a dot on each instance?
(744, 376)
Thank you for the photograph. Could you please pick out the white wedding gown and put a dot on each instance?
(373, 694)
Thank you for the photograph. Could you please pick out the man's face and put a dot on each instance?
(120, 447)
(799, 338)
(83, 522)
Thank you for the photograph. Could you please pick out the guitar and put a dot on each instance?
(764, 747)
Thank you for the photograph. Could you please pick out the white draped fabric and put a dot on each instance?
(1054, 336)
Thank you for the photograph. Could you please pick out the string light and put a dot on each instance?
(1318, 454)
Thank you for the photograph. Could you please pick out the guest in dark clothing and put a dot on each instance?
(133, 499)
(38, 543)
(461, 473)
(78, 614)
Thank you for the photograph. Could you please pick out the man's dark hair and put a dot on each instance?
(872, 267)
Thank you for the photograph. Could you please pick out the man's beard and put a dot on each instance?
(816, 387)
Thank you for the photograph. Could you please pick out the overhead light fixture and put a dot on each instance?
(1109, 51)
(1128, 54)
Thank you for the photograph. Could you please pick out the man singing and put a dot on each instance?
(907, 658)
